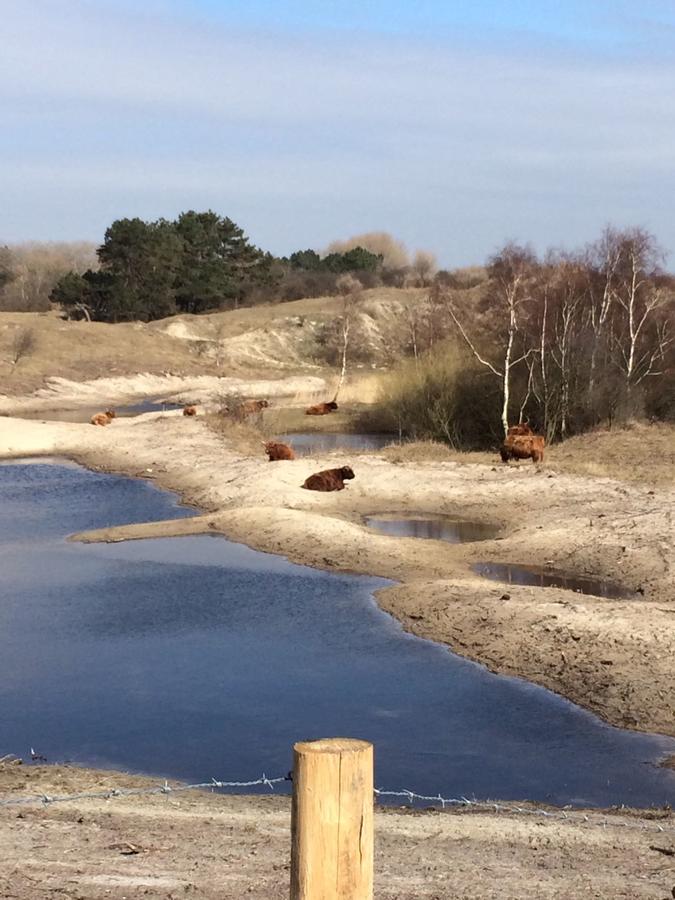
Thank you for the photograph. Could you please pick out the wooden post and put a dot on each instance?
(332, 820)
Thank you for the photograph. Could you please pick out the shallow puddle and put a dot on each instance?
(540, 577)
(319, 442)
(84, 413)
(196, 657)
(438, 528)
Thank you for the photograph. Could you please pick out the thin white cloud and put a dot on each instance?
(363, 126)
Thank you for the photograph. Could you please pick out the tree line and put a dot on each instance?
(566, 341)
(197, 263)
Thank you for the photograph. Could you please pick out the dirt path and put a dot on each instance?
(207, 846)
(615, 657)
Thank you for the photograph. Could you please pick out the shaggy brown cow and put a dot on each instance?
(321, 409)
(104, 418)
(329, 479)
(276, 450)
(189, 410)
(250, 407)
(522, 428)
(523, 446)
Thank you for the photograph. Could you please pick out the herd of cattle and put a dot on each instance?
(520, 442)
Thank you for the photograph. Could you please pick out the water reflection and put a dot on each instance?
(439, 528)
(540, 577)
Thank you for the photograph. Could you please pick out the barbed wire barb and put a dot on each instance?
(564, 814)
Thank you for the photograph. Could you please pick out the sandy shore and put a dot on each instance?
(615, 657)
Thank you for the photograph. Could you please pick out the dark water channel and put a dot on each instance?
(439, 528)
(540, 577)
(84, 413)
(196, 658)
(324, 442)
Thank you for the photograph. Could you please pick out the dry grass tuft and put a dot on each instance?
(350, 418)
(432, 451)
(245, 437)
(639, 452)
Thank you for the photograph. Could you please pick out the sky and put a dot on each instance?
(454, 126)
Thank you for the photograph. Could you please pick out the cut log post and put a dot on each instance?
(332, 820)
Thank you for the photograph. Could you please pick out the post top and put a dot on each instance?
(332, 745)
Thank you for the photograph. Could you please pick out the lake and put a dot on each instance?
(197, 657)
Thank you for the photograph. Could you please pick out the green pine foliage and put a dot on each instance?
(149, 270)
(197, 263)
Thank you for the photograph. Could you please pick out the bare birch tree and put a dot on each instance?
(511, 273)
(642, 331)
(349, 288)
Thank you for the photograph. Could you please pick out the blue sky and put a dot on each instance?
(453, 126)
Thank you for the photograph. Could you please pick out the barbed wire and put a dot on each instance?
(166, 788)
(568, 814)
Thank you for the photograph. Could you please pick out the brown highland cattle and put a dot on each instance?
(523, 446)
(104, 418)
(276, 451)
(250, 407)
(189, 410)
(321, 409)
(329, 479)
(522, 428)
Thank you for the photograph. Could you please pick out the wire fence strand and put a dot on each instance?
(165, 788)
(566, 814)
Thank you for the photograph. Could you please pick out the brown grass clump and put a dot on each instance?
(431, 451)
(244, 437)
(639, 452)
(351, 417)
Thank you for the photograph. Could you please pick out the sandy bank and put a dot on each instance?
(99, 393)
(614, 657)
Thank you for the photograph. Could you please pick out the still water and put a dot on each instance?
(84, 413)
(509, 573)
(437, 528)
(196, 657)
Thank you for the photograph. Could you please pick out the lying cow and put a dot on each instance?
(104, 418)
(329, 479)
(189, 410)
(523, 446)
(523, 428)
(276, 451)
(321, 409)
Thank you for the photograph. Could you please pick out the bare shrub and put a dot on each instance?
(443, 396)
(462, 279)
(36, 267)
(348, 284)
(424, 267)
(244, 437)
(393, 252)
(23, 345)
